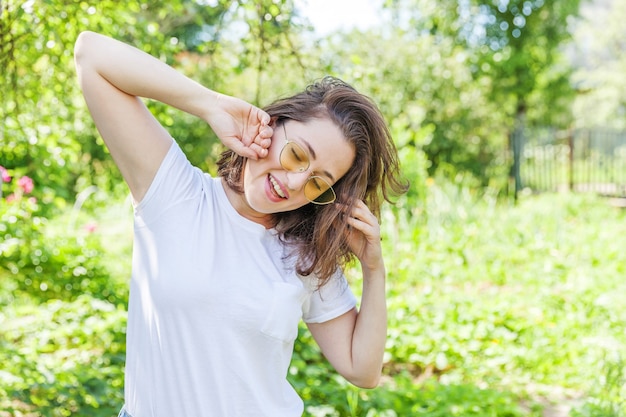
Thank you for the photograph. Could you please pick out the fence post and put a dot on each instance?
(570, 144)
(517, 142)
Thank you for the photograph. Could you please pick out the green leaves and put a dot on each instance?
(62, 358)
(491, 306)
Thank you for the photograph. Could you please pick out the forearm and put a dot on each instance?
(370, 331)
(139, 74)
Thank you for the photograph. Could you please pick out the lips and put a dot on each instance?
(277, 187)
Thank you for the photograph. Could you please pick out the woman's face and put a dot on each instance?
(269, 188)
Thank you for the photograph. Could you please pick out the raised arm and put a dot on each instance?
(113, 76)
(354, 343)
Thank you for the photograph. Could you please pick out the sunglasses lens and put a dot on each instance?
(318, 190)
(293, 158)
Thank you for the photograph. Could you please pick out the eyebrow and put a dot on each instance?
(314, 156)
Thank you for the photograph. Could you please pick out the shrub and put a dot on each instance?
(41, 261)
(62, 358)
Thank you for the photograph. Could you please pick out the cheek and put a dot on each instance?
(254, 175)
(261, 167)
(249, 174)
(253, 169)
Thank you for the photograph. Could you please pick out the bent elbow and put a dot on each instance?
(82, 45)
(370, 384)
(366, 381)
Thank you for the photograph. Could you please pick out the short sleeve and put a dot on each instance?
(328, 302)
(175, 181)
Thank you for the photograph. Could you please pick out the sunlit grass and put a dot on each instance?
(495, 309)
(524, 298)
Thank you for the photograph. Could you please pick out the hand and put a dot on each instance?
(364, 236)
(241, 127)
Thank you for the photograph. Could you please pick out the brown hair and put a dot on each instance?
(317, 233)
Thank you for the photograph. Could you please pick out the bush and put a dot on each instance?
(40, 260)
(62, 358)
(608, 399)
(494, 310)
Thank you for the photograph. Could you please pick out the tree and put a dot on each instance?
(519, 47)
(513, 55)
(46, 131)
(598, 52)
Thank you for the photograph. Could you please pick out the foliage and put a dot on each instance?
(487, 67)
(608, 399)
(436, 106)
(62, 358)
(486, 291)
(38, 259)
(327, 394)
(518, 48)
(451, 92)
(46, 129)
(494, 310)
(455, 74)
(599, 57)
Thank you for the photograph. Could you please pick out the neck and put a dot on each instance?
(239, 203)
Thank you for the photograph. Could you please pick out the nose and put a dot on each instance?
(296, 180)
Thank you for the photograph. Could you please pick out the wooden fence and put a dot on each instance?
(580, 160)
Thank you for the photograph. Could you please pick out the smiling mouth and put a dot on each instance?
(279, 192)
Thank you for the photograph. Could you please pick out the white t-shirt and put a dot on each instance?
(214, 307)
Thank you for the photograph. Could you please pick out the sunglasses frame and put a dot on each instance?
(302, 169)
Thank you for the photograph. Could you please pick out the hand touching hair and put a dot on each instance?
(318, 234)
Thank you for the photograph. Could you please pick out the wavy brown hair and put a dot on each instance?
(317, 233)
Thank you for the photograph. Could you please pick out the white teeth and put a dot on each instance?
(277, 188)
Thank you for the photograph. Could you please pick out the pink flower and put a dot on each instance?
(91, 227)
(5, 174)
(11, 198)
(26, 184)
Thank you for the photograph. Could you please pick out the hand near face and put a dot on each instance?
(241, 127)
(364, 236)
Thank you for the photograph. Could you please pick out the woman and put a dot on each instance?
(224, 268)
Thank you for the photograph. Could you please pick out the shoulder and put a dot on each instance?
(176, 181)
(329, 300)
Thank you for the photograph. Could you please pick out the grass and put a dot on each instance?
(495, 309)
(520, 298)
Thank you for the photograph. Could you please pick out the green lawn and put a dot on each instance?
(495, 309)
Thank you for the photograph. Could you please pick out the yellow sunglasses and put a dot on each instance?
(295, 159)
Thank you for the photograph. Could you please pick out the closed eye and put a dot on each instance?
(296, 154)
(316, 183)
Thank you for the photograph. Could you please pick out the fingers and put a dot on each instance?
(362, 219)
(264, 137)
(370, 230)
(265, 118)
(258, 143)
(255, 126)
(363, 236)
(262, 141)
(259, 151)
(246, 151)
(361, 212)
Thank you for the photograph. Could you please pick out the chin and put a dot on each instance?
(261, 207)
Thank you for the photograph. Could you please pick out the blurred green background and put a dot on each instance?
(504, 301)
